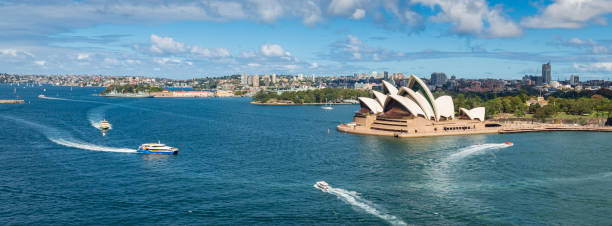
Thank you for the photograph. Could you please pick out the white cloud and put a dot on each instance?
(248, 54)
(205, 52)
(268, 10)
(165, 60)
(162, 45)
(82, 56)
(342, 7)
(292, 66)
(594, 47)
(130, 61)
(469, 17)
(168, 46)
(40, 62)
(273, 50)
(594, 67)
(111, 61)
(314, 65)
(570, 14)
(358, 14)
(253, 64)
(15, 53)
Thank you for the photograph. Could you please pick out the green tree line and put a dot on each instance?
(131, 89)
(312, 96)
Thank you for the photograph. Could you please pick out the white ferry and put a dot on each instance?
(157, 148)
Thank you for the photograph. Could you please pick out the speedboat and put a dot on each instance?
(157, 148)
(105, 125)
(322, 185)
(41, 96)
(508, 143)
(327, 108)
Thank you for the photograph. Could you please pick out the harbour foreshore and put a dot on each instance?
(287, 103)
(504, 128)
(12, 101)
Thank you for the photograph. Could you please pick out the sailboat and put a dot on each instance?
(327, 106)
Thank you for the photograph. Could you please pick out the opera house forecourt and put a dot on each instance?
(412, 111)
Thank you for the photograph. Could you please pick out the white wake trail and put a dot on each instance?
(63, 138)
(476, 149)
(91, 147)
(355, 200)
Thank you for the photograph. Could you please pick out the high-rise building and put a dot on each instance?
(574, 80)
(386, 75)
(274, 78)
(438, 79)
(255, 81)
(300, 77)
(546, 77)
(243, 79)
(313, 78)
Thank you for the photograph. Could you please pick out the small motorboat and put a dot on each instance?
(322, 185)
(105, 125)
(508, 143)
(157, 148)
(41, 96)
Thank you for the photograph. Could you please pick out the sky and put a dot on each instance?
(189, 39)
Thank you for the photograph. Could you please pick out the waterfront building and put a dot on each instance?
(412, 111)
(546, 76)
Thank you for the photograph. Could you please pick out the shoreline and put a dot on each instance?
(515, 128)
(294, 104)
(12, 102)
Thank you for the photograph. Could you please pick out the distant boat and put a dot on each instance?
(41, 96)
(157, 148)
(105, 125)
(327, 106)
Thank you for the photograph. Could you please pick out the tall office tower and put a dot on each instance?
(546, 77)
(438, 79)
(274, 78)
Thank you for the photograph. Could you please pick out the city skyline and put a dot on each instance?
(183, 39)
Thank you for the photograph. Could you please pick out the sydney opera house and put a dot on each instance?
(412, 111)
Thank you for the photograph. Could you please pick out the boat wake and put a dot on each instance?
(96, 115)
(476, 149)
(355, 200)
(87, 146)
(63, 138)
(65, 99)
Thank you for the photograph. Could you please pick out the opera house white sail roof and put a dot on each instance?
(416, 100)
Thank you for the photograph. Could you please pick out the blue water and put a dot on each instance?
(245, 164)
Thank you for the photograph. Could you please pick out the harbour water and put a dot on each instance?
(247, 164)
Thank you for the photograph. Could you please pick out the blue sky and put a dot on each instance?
(187, 39)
